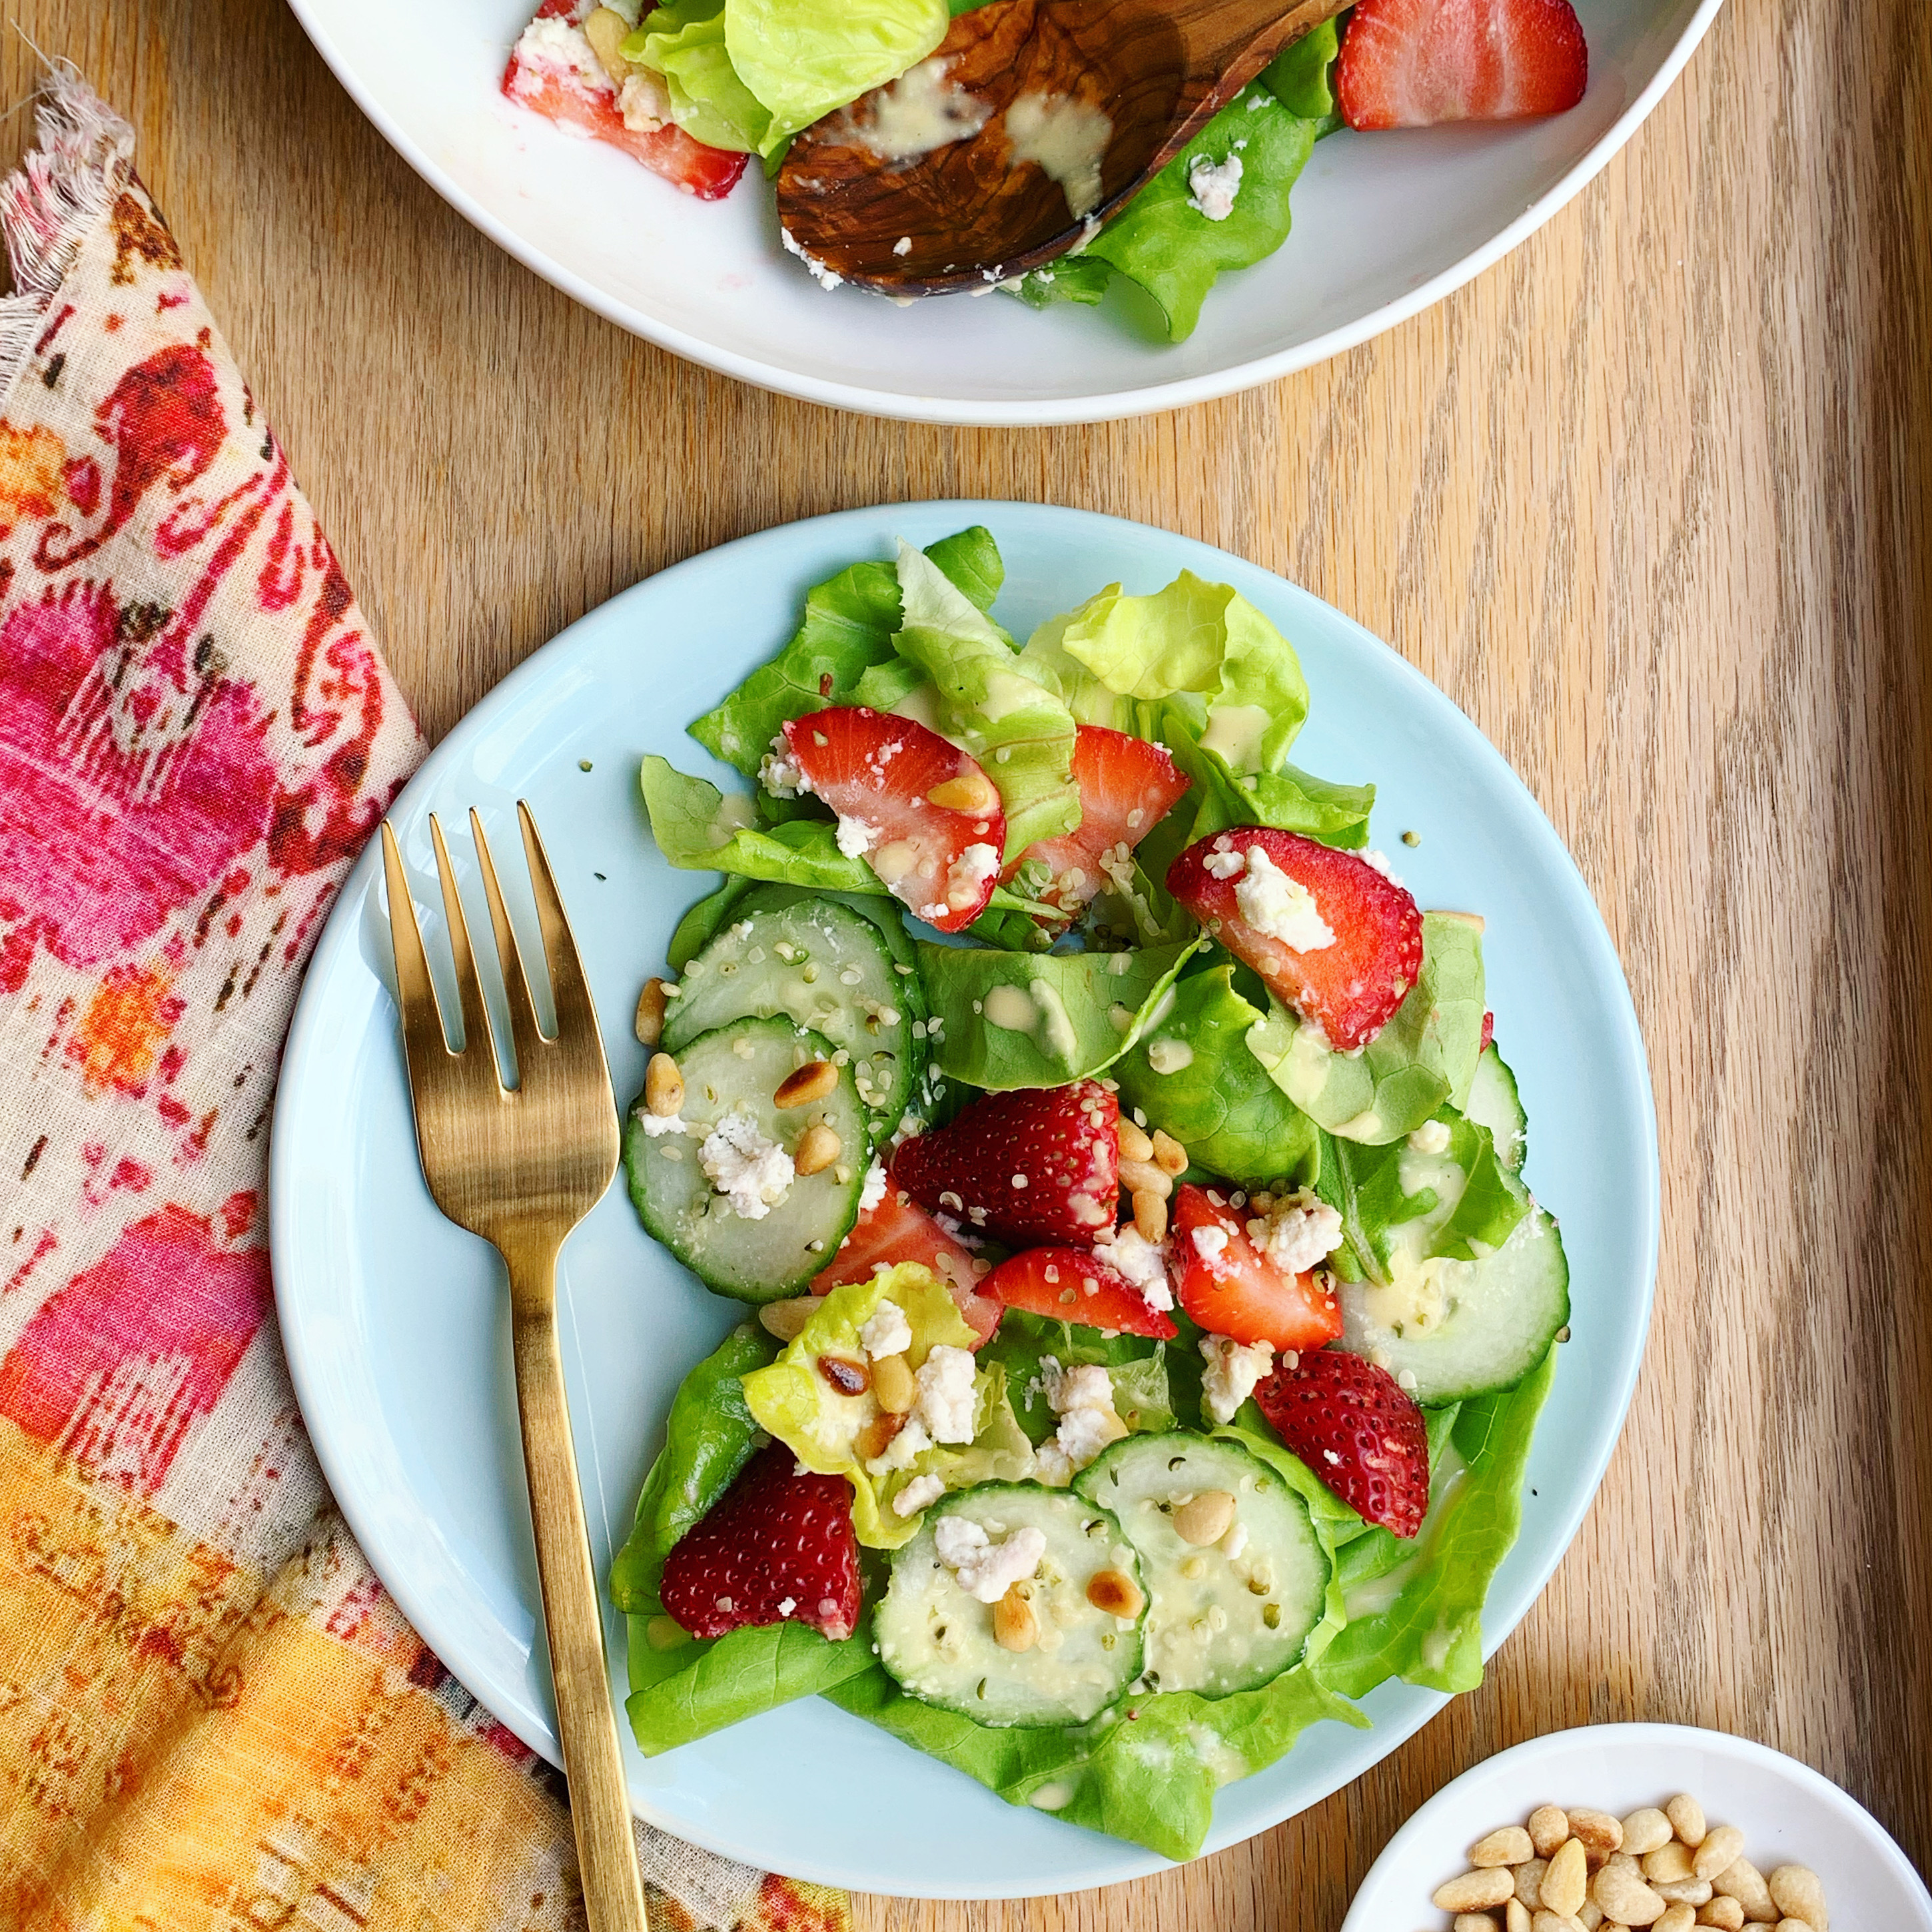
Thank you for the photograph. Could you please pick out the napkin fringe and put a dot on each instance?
(63, 189)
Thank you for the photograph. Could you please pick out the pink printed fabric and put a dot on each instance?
(196, 736)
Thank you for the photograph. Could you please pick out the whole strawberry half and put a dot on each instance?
(1352, 1423)
(927, 818)
(1353, 943)
(1039, 1164)
(1075, 1285)
(778, 1544)
(1415, 63)
(1127, 787)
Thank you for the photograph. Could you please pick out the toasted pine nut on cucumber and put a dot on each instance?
(683, 1175)
(1224, 1615)
(941, 1643)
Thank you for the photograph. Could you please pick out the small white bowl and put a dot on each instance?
(1789, 1814)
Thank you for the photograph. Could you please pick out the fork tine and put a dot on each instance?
(423, 1035)
(569, 990)
(469, 988)
(524, 1031)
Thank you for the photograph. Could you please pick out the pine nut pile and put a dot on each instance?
(1664, 1869)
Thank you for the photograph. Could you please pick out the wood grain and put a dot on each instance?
(1649, 499)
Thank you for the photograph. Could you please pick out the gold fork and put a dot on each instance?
(521, 1167)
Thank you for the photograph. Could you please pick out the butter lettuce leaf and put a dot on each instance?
(1192, 1073)
(1302, 76)
(1424, 1057)
(701, 829)
(1144, 1399)
(1287, 798)
(684, 44)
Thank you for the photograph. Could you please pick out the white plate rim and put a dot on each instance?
(1107, 407)
(1093, 1859)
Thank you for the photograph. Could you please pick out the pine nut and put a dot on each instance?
(893, 1383)
(1590, 1916)
(1169, 1155)
(1791, 1925)
(1555, 1921)
(663, 1086)
(1567, 1882)
(787, 1319)
(1508, 1845)
(1687, 1819)
(1726, 1914)
(1625, 1897)
(818, 1146)
(1677, 1918)
(1134, 1144)
(806, 1085)
(1646, 1830)
(649, 1024)
(1203, 1519)
(1797, 1892)
(1150, 1217)
(1474, 1921)
(1516, 1915)
(1741, 1880)
(605, 29)
(1529, 1881)
(1473, 1890)
(1548, 1826)
(1601, 1834)
(1118, 1595)
(967, 791)
(848, 1376)
(1691, 1891)
(1668, 1861)
(1720, 1848)
(876, 1438)
(1015, 1626)
(1138, 1176)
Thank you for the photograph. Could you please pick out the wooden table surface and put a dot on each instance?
(1649, 500)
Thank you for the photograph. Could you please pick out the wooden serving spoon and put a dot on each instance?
(858, 205)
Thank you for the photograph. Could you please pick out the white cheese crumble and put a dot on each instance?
(946, 1397)
(983, 1568)
(1280, 907)
(1145, 1264)
(561, 49)
(643, 102)
(1297, 1232)
(887, 1333)
(916, 1494)
(753, 1173)
(1225, 864)
(968, 873)
(1233, 1369)
(1380, 862)
(780, 773)
(1431, 1137)
(655, 1124)
(827, 279)
(855, 837)
(873, 1190)
(1083, 1398)
(1212, 188)
(1210, 1243)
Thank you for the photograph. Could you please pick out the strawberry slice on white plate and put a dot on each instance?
(1417, 63)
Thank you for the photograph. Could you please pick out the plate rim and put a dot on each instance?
(1123, 1861)
(1112, 406)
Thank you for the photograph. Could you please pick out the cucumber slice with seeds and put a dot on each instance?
(1233, 1614)
(823, 966)
(1495, 1103)
(936, 1639)
(736, 1069)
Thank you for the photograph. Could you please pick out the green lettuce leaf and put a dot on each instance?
(684, 44)
(1289, 799)
(701, 829)
(1138, 1368)
(1426, 1055)
(1191, 1073)
(1301, 76)
(1002, 1020)
(988, 703)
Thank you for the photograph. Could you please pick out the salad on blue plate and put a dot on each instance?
(1151, 1319)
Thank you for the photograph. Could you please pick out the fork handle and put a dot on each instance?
(600, 1810)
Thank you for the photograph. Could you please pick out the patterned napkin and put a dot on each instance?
(211, 1715)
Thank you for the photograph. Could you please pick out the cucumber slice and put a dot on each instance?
(737, 1069)
(824, 966)
(1236, 1614)
(1449, 1330)
(1495, 1103)
(936, 1639)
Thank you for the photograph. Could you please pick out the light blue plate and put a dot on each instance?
(395, 1322)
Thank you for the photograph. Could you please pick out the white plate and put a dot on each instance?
(1789, 1814)
(394, 1320)
(1384, 224)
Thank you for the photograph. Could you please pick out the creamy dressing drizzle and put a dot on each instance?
(921, 110)
(1067, 139)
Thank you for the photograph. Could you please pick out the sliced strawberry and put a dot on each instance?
(1414, 63)
(894, 1230)
(1232, 1288)
(1355, 1428)
(779, 1543)
(1348, 984)
(1127, 787)
(930, 819)
(1489, 1033)
(562, 81)
(1039, 1164)
(1074, 1285)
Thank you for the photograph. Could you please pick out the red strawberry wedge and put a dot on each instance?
(1231, 1287)
(1127, 787)
(1073, 1285)
(893, 1230)
(1354, 1426)
(1415, 63)
(1337, 940)
(1040, 1164)
(927, 819)
(778, 1544)
(554, 71)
